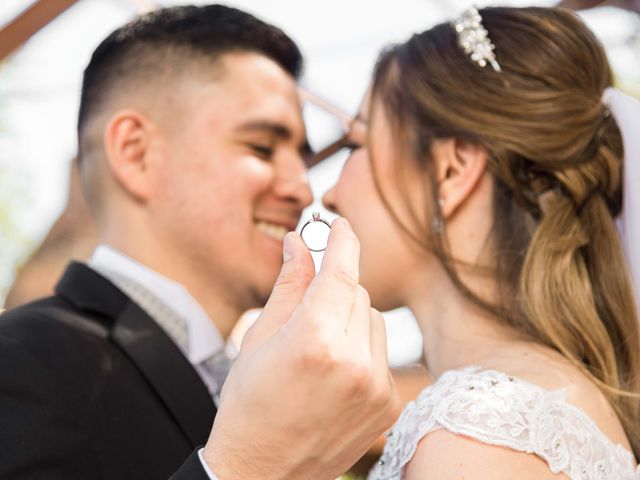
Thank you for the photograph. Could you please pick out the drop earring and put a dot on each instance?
(437, 226)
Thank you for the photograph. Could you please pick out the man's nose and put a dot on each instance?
(295, 187)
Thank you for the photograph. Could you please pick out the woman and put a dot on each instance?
(484, 190)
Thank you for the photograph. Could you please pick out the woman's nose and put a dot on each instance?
(328, 200)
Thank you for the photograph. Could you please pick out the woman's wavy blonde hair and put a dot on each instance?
(556, 158)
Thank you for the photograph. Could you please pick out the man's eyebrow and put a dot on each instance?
(266, 126)
(277, 129)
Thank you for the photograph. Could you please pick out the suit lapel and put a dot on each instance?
(169, 373)
(164, 366)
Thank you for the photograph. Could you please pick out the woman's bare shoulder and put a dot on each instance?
(444, 455)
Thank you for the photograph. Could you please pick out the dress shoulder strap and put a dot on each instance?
(494, 408)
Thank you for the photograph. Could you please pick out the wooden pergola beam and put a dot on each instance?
(631, 5)
(29, 22)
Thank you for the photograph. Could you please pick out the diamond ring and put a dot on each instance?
(315, 217)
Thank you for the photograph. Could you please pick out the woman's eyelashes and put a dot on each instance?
(352, 146)
(354, 139)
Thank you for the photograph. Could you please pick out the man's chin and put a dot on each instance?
(262, 292)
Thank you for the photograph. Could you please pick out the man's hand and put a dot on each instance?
(310, 390)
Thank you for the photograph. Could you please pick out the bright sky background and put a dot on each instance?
(39, 90)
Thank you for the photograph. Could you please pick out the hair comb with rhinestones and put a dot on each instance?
(473, 38)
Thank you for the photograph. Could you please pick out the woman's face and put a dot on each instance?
(389, 261)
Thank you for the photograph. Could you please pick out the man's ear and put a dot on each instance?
(460, 166)
(126, 140)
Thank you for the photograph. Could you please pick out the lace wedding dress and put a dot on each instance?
(496, 409)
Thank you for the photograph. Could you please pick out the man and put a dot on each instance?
(191, 149)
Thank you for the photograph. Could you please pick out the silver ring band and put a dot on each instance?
(315, 217)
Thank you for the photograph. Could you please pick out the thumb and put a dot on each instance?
(296, 274)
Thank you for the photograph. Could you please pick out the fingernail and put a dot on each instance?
(287, 248)
(342, 220)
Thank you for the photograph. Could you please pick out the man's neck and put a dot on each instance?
(223, 312)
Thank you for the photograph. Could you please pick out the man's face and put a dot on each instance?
(232, 176)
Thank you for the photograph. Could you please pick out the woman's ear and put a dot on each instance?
(460, 166)
(126, 140)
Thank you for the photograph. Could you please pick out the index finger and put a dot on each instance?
(333, 290)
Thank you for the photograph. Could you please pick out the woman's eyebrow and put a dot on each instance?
(360, 118)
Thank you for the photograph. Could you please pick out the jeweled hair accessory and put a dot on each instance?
(473, 38)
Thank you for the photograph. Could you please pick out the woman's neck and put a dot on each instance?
(456, 332)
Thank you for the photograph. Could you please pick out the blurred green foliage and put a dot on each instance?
(14, 243)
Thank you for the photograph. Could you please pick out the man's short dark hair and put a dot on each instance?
(143, 50)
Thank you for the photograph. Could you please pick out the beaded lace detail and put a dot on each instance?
(496, 409)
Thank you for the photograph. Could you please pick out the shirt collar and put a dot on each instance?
(204, 338)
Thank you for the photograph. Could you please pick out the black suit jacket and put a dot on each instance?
(92, 388)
